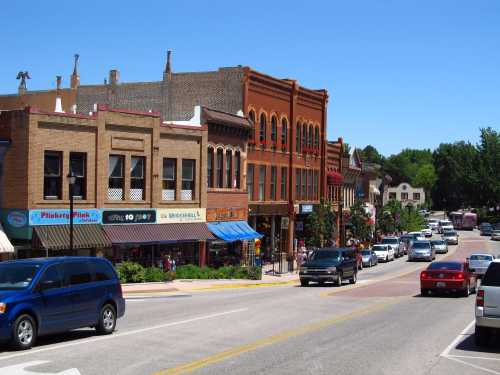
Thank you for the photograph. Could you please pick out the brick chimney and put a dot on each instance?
(75, 78)
(114, 76)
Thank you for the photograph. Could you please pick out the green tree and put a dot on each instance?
(426, 178)
(371, 155)
(320, 225)
(359, 221)
(489, 167)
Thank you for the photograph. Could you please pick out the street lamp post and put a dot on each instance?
(71, 181)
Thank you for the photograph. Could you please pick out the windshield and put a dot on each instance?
(325, 254)
(436, 242)
(365, 252)
(445, 266)
(481, 257)
(390, 240)
(449, 234)
(379, 248)
(421, 245)
(17, 276)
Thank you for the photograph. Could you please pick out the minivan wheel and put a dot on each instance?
(107, 320)
(354, 278)
(24, 332)
(338, 281)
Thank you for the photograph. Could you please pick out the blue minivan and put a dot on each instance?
(52, 295)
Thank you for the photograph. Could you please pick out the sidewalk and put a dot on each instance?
(206, 285)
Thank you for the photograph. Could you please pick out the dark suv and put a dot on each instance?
(51, 295)
(330, 264)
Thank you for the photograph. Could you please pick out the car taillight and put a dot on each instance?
(480, 298)
(459, 276)
(424, 275)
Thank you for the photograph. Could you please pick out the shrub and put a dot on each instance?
(254, 273)
(227, 272)
(152, 274)
(130, 272)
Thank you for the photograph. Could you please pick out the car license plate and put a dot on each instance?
(441, 285)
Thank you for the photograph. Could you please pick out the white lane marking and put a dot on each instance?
(473, 366)
(121, 334)
(471, 357)
(136, 299)
(459, 338)
(20, 369)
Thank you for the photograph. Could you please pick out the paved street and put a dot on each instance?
(382, 323)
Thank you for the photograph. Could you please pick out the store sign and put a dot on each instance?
(306, 208)
(181, 215)
(128, 216)
(17, 219)
(226, 214)
(61, 216)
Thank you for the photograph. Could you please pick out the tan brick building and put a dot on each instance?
(132, 171)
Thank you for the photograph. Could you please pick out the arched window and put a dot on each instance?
(310, 138)
(219, 168)
(237, 169)
(316, 137)
(263, 125)
(304, 137)
(274, 129)
(284, 131)
(251, 116)
(210, 167)
(229, 169)
(297, 137)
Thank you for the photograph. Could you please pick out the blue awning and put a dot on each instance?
(233, 230)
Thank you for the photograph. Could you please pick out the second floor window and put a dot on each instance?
(220, 170)
(169, 179)
(304, 137)
(250, 172)
(316, 137)
(404, 196)
(310, 137)
(298, 193)
(78, 166)
(284, 132)
(262, 182)
(297, 138)
(284, 172)
(274, 129)
(251, 116)
(316, 184)
(263, 125)
(116, 177)
(273, 183)
(229, 169)
(304, 184)
(210, 168)
(137, 178)
(237, 169)
(188, 176)
(416, 196)
(52, 175)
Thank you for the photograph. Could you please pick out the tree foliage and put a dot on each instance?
(358, 221)
(320, 225)
(371, 155)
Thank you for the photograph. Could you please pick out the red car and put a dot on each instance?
(452, 276)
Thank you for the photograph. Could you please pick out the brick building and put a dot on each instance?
(334, 181)
(140, 188)
(285, 173)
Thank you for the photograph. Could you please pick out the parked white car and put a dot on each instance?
(488, 304)
(479, 263)
(384, 253)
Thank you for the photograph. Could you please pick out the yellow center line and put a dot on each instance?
(280, 337)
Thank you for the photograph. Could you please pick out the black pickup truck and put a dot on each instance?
(330, 264)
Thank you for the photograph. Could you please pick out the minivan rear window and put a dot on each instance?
(492, 276)
(102, 271)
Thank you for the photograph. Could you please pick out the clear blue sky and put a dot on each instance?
(399, 73)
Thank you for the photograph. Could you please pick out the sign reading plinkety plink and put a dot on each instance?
(61, 216)
(128, 216)
(181, 215)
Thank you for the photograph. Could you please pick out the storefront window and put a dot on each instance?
(262, 182)
(220, 172)
(210, 167)
(137, 179)
(284, 172)
(237, 169)
(169, 179)
(116, 180)
(52, 175)
(273, 183)
(188, 174)
(78, 167)
(250, 173)
(229, 166)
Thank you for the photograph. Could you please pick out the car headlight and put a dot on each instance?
(331, 269)
(3, 307)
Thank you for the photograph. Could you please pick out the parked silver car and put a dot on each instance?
(478, 263)
(440, 246)
(370, 259)
(421, 250)
(394, 244)
(495, 235)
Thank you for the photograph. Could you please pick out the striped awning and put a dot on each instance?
(5, 245)
(56, 237)
(334, 178)
(157, 233)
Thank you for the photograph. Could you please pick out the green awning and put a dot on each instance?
(56, 237)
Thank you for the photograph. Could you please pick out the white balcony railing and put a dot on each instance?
(136, 194)
(115, 194)
(168, 195)
(186, 195)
